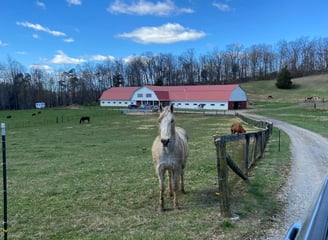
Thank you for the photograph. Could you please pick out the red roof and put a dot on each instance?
(118, 93)
(176, 93)
(162, 95)
(196, 92)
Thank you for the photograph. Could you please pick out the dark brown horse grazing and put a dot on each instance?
(237, 128)
(84, 118)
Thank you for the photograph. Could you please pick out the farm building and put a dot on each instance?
(40, 105)
(218, 97)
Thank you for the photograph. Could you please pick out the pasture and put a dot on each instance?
(96, 180)
(289, 105)
(258, 92)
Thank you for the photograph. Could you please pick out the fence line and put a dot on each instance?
(260, 139)
(4, 175)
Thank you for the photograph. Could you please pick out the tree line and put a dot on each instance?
(83, 84)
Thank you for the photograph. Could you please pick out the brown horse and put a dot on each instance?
(170, 153)
(237, 128)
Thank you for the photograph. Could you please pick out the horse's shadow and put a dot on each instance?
(203, 198)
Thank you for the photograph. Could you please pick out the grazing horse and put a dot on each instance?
(85, 118)
(170, 153)
(237, 128)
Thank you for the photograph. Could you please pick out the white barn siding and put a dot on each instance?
(144, 94)
(238, 94)
(115, 103)
(201, 105)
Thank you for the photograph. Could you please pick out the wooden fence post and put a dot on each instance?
(263, 143)
(246, 157)
(222, 169)
(256, 143)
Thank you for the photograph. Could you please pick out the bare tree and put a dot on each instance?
(233, 52)
(188, 67)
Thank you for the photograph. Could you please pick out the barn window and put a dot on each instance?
(148, 95)
(212, 104)
(139, 95)
(187, 104)
(222, 104)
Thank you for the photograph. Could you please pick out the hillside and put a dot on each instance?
(259, 91)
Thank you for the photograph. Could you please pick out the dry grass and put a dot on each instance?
(258, 91)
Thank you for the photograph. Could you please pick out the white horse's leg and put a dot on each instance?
(175, 187)
(170, 193)
(182, 182)
(161, 191)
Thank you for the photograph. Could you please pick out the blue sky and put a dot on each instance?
(56, 33)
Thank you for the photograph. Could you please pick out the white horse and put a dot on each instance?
(170, 153)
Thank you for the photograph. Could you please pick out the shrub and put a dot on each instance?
(284, 79)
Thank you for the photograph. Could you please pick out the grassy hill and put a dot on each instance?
(258, 91)
(290, 105)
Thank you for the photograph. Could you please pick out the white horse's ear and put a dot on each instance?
(171, 107)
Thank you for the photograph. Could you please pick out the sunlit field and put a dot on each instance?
(68, 180)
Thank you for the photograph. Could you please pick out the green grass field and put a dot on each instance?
(96, 181)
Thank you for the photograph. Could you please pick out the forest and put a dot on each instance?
(21, 88)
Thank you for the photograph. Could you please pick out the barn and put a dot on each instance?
(217, 97)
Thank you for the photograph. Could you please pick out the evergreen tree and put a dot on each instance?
(284, 79)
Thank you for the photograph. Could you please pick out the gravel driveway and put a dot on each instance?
(309, 156)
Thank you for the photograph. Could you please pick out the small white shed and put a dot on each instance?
(40, 105)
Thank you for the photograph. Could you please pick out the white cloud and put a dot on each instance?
(41, 67)
(38, 27)
(36, 36)
(102, 58)
(144, 7)
(222, 6)
(62, 58)
(132, 58)
(41, 4)
(165, 34)
(74, 2)
(3, 44)
(69, 40)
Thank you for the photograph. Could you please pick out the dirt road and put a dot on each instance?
(309, 153)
